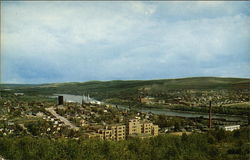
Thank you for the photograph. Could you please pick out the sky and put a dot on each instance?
(45, 42)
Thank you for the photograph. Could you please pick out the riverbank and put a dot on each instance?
(190, 110)
(168, 112)
(236, 109)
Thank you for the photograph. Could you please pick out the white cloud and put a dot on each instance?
(127, 40)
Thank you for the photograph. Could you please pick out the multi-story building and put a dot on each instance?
(105, 133)
(134, 128)
(113, 132)
(119, 131)
(154, 130)
(146, 128)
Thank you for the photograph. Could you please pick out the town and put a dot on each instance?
(127, 80)
(55, 117)
(85, 126)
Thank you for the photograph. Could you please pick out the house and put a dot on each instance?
(161, 101)
(148, 100)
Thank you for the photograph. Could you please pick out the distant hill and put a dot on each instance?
(120, 88)
(18, 85)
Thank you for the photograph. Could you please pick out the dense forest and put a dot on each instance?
(213, 145)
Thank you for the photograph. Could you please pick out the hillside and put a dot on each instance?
(121, 89)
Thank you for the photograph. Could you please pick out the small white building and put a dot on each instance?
(18, 94)
(230, 128)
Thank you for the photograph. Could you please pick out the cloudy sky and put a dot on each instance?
(45, 42)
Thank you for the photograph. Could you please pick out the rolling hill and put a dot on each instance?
(128, 88)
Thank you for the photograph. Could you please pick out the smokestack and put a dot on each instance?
(60, 100)
(210, 114)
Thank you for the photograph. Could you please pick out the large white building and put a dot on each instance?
(230, 128)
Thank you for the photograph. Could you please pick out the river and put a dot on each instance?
(79, 99)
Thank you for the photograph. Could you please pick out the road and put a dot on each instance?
(64, 120)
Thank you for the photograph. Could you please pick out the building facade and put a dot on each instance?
(113, 132)
(134, 128)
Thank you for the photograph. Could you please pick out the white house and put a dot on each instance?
(230, 128)
(18, 94)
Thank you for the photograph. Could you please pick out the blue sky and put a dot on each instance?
(44, 42)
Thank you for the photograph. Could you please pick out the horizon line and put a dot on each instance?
(122, 80)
